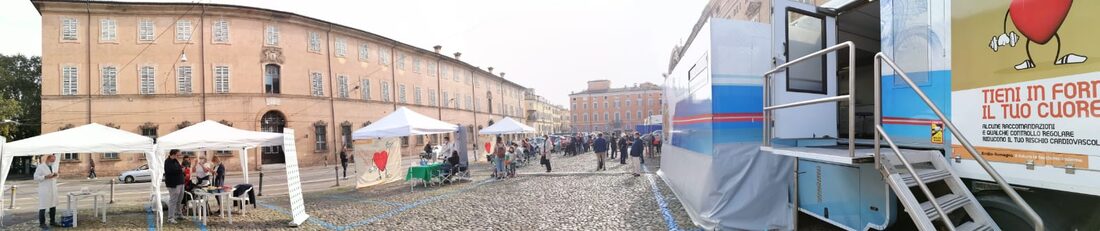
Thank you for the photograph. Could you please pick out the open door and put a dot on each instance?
(799, 29)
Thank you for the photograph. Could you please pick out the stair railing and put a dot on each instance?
(882, 58)
(851, 97)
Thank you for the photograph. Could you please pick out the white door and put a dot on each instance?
(797, 30)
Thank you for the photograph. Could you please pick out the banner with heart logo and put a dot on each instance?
(378, 161)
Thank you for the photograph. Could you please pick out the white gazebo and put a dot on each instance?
(213, 136)
(507, 126)
(403, 122)
(90, 138)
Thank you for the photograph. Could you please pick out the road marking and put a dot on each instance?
(660, 201)
(201, 226)
(314, 219)
(149, 219)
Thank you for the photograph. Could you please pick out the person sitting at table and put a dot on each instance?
(187, 185)
(202, 171)
(219, 177)
(450, 167)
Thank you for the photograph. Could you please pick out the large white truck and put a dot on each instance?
(857, 112)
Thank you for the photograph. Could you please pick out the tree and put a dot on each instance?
(20, 88)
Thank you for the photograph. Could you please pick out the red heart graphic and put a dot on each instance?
(380, 160)
(1038, 20)
(488, 146)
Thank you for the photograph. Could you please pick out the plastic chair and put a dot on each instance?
(243, 199)
(196, 206)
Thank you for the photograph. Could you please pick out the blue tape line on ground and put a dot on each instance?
(372, 201)
(150, 220)
(198, 222)
(410, 206)
(313, 219)
(661, 201)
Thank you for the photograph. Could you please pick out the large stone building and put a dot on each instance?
(154, 68)
(602, 108)
(543, 115)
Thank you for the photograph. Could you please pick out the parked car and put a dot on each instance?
(141, 173)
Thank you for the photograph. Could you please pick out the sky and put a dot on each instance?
(554, 46)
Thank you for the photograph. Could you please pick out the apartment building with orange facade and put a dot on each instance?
(154, 68)
(601, 108)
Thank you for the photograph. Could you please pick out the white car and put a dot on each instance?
(141, 173)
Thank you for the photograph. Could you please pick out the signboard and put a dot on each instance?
(937, 133)
(1024, 86)
(293, 181)
(380, 159)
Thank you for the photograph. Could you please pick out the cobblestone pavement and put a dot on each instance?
(573, 197)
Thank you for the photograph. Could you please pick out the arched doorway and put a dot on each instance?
(272, 121)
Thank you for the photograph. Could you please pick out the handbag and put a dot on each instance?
(544, 161)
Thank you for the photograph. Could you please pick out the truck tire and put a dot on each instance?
(1010, 217)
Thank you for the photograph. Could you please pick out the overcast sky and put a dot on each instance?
(554, 46)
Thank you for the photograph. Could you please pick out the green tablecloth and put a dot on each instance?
(424, 173)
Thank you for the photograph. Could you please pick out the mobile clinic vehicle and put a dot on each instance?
(932, 81)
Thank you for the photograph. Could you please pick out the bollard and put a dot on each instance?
(261, 192)
(112, 201)
(337, 168)
(12, 205)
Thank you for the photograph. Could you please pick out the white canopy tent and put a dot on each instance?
(403, 122)
(213, 136)
(90, 138)
(507, 126)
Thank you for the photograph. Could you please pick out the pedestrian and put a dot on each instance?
(46, 178)
(624, 142)
(599, 145)
(636, 153)
(614, 146)
(173, 179)
(91, 169)
(219, 177)
(344, 161)
(201, 171)
(498, 158)
(545, 160)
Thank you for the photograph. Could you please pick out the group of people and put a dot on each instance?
(181, 176)
(633, 145)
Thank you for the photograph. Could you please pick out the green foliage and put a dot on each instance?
(20, 95)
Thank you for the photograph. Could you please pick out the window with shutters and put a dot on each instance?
(401, 61)
(366, 89)
(183, 30)
(108, 77)
(183, 80)
(314, 42)
(341, 47)
(145, 30)
(416, 96)
(401, 93)
(271, 35)
(384, 56)
(147, 77)
(68, 28)
(416, 65)
(431, 69)
(385, 91)
(221, 31)
(431, 98)
(342, 83)
(317, 87)
(364, 52)
(108, 29)
(221, 79)
(320, 137)
(69, 80)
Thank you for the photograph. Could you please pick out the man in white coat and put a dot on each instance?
(46, 178)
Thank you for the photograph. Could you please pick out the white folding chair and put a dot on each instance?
(196, 206)
(243, 199)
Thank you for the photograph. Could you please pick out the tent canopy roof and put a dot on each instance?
(213, 136)
(89, 138)
(403, 122)
(507, 126)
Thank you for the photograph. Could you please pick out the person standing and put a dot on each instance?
(636, 153)
(344, 161)
(545, 160)
(46, 178)
(599, 145)
(219, 177)
(614, 146)
(624, 142)
(498, 158)
(173, 179)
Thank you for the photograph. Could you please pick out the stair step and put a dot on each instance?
(928, 175)
(949, 203)
(971, 226)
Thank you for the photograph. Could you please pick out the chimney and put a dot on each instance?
(457, 55)
(502, 75)
(438, 48)
(490, 70)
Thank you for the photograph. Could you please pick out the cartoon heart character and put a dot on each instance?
(488, 146)
(380, 160)
(1039, 22)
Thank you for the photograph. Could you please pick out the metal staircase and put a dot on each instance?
(950, 200)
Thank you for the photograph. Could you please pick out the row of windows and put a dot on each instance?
(607, 117)
(108, 75)
(108, 30)
(619, 104)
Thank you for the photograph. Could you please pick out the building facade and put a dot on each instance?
(543, 115)
(603, 108)
(154, 68)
